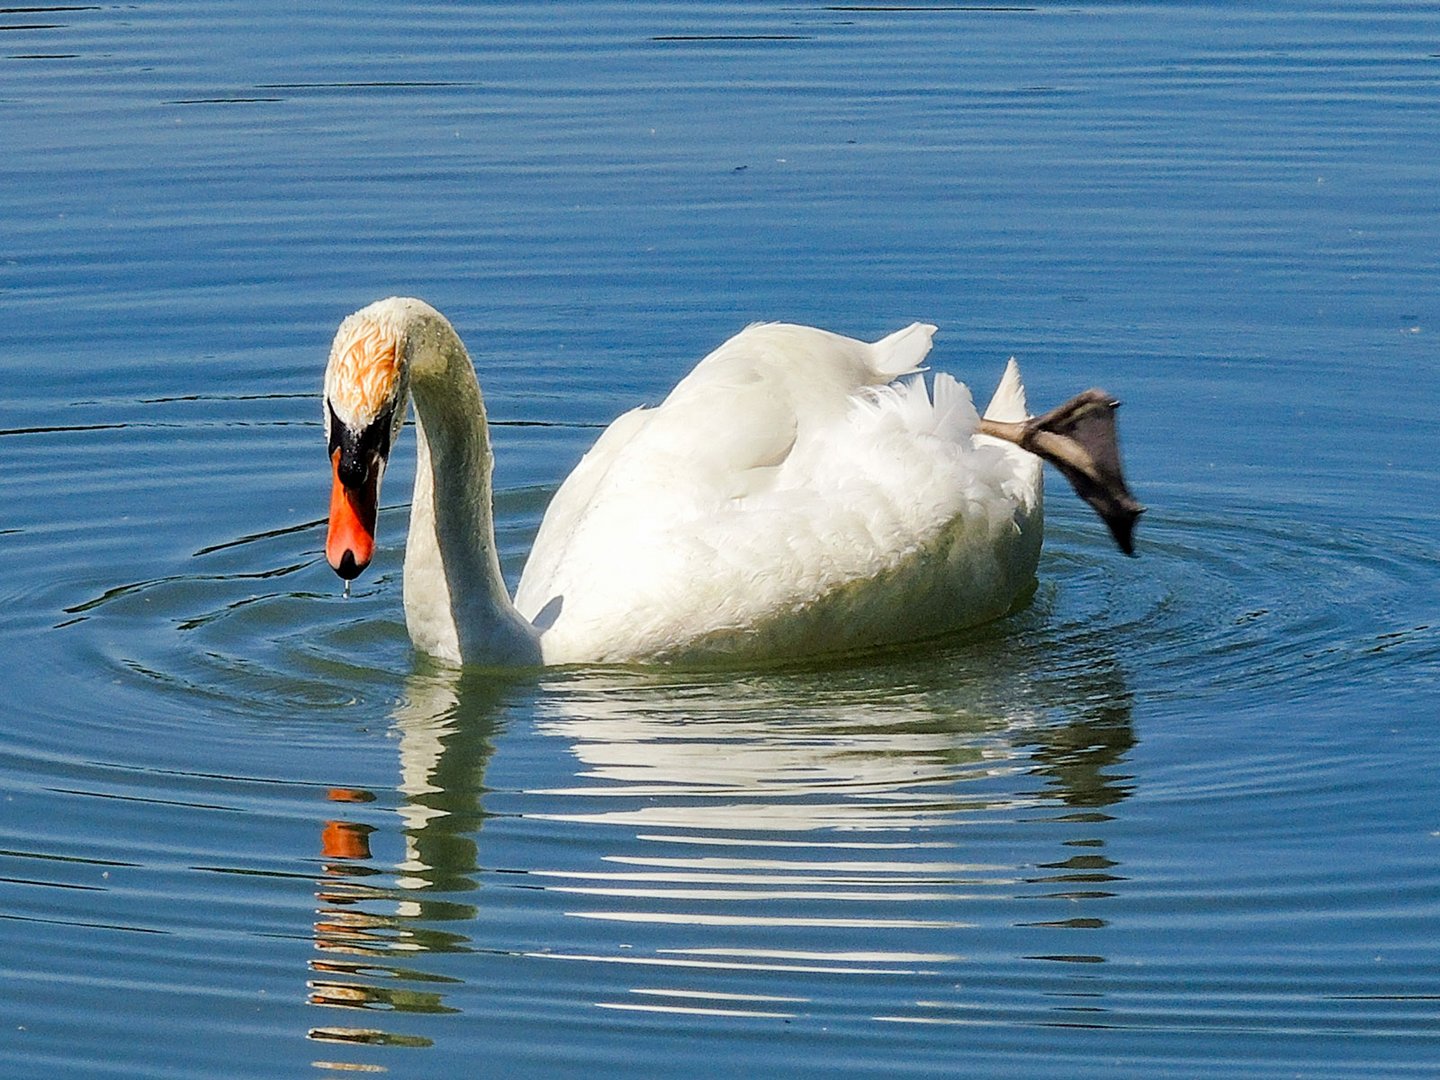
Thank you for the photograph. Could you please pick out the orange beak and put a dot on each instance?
(350, 543)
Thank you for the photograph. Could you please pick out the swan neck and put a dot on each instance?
(456, 604)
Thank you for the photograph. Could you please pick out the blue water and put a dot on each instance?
(1177, 817)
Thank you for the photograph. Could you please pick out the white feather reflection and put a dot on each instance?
(764, 812)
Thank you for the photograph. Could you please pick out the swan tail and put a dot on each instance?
(954, 409)
(1008, 402)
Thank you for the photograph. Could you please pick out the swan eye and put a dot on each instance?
(375, 439)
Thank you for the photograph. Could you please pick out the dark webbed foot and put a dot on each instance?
(1079, 439)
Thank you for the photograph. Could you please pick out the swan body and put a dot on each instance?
(797, 493)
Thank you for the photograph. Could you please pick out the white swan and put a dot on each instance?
(797, 493)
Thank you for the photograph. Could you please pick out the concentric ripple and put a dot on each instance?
(1235, 599)
(953, 833)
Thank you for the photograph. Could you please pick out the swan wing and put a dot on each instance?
(719, 435)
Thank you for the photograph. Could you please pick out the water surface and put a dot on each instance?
(1177, 817)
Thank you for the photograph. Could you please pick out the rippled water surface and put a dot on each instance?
(1179, 816)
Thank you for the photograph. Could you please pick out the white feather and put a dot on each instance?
(786, 498)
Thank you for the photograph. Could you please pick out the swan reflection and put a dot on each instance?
(374, 923)
(706, 825)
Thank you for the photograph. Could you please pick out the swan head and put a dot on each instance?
(366, 392)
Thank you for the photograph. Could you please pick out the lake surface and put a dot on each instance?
(1179, 816)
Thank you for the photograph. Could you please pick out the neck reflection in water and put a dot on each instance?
(735, 841)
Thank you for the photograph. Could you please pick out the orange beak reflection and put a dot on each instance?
(350, 542)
